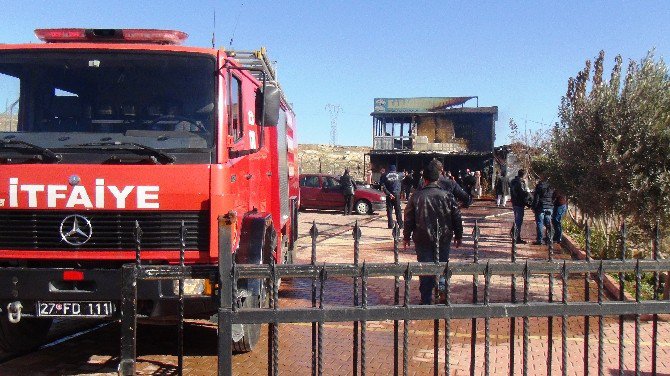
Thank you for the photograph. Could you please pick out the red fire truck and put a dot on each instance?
(114, 140)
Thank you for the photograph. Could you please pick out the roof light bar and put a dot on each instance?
(111, 36)
(60, 35)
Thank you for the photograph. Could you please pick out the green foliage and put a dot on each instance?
(603, 247)
(609, 152)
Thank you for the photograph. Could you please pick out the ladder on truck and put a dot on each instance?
(259, 66)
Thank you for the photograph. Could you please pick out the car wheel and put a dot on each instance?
(363, 207)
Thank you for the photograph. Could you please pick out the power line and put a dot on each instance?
(237, 21)
(536, 122)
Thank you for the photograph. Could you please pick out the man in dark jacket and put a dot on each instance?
(451, 186)
(348, 189)
(560, 207)
(543, 205)
(502, 190)
(520, 198)
(469, 182)
(407, 183)
(432, 211)
(391, 183)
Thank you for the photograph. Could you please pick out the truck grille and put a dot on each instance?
(110, 229)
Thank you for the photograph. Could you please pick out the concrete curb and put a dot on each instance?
(609, 283)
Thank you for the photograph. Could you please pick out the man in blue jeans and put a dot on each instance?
(431, 211)
(560, 207)
(543, 206)
(520, 199)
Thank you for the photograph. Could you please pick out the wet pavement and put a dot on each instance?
(96, 353)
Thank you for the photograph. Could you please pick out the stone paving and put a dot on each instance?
(97, 352)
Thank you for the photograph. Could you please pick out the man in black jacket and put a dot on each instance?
(520, 198)
(432, 212)
(543, 205)
(391, 183)
(348, 189)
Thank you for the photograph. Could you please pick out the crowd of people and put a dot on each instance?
(548, 204)
(432, 216)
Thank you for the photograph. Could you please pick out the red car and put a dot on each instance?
(323, 191)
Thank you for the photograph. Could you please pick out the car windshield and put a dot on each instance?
(65, 99)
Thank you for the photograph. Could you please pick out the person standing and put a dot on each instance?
(560, 207)
(520, 198)
(543, 206)
(469, 182)
(431, 211)
(417, 178)
(502, 190)
(348, 189)
(391, 185)
(478, 184)
(407, 183)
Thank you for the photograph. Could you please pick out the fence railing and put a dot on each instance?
(401, 311)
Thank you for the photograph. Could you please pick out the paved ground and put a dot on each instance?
(97, 352)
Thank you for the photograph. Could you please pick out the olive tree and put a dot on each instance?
(609, 152)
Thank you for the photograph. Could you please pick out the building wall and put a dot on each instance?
(478, 130)
(437, 133)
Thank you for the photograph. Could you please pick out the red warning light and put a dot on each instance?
(60, 35)
(153, 36)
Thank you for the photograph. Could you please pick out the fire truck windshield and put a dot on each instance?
(62, 99)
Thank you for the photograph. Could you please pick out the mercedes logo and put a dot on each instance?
(76, 229)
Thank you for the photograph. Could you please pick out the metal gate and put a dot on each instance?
(480, 271)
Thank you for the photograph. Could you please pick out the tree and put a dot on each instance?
(530, 145)
(609, 152)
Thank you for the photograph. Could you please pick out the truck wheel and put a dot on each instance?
(250, 332)
(363, 207)
(23, 336)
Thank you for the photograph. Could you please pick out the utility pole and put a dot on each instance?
(333, 110)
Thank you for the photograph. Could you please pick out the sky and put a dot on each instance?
(517, 56)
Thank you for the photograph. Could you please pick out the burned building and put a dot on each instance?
(409, 132)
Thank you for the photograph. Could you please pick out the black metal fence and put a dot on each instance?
(402, 311)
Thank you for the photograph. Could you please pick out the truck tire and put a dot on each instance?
(26, 335)
(363, 207)
(251, 332)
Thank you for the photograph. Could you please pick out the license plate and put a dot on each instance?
(78, 309)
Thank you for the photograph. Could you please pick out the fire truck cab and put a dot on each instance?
(119, 143)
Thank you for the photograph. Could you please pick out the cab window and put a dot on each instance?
(235, 129)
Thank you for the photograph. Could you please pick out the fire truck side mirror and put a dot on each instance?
(267, 104)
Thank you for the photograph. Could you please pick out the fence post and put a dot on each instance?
(128, 319)
(129, 308)
(227, 225)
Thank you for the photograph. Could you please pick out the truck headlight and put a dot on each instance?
(382, 198)
(192, 286)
